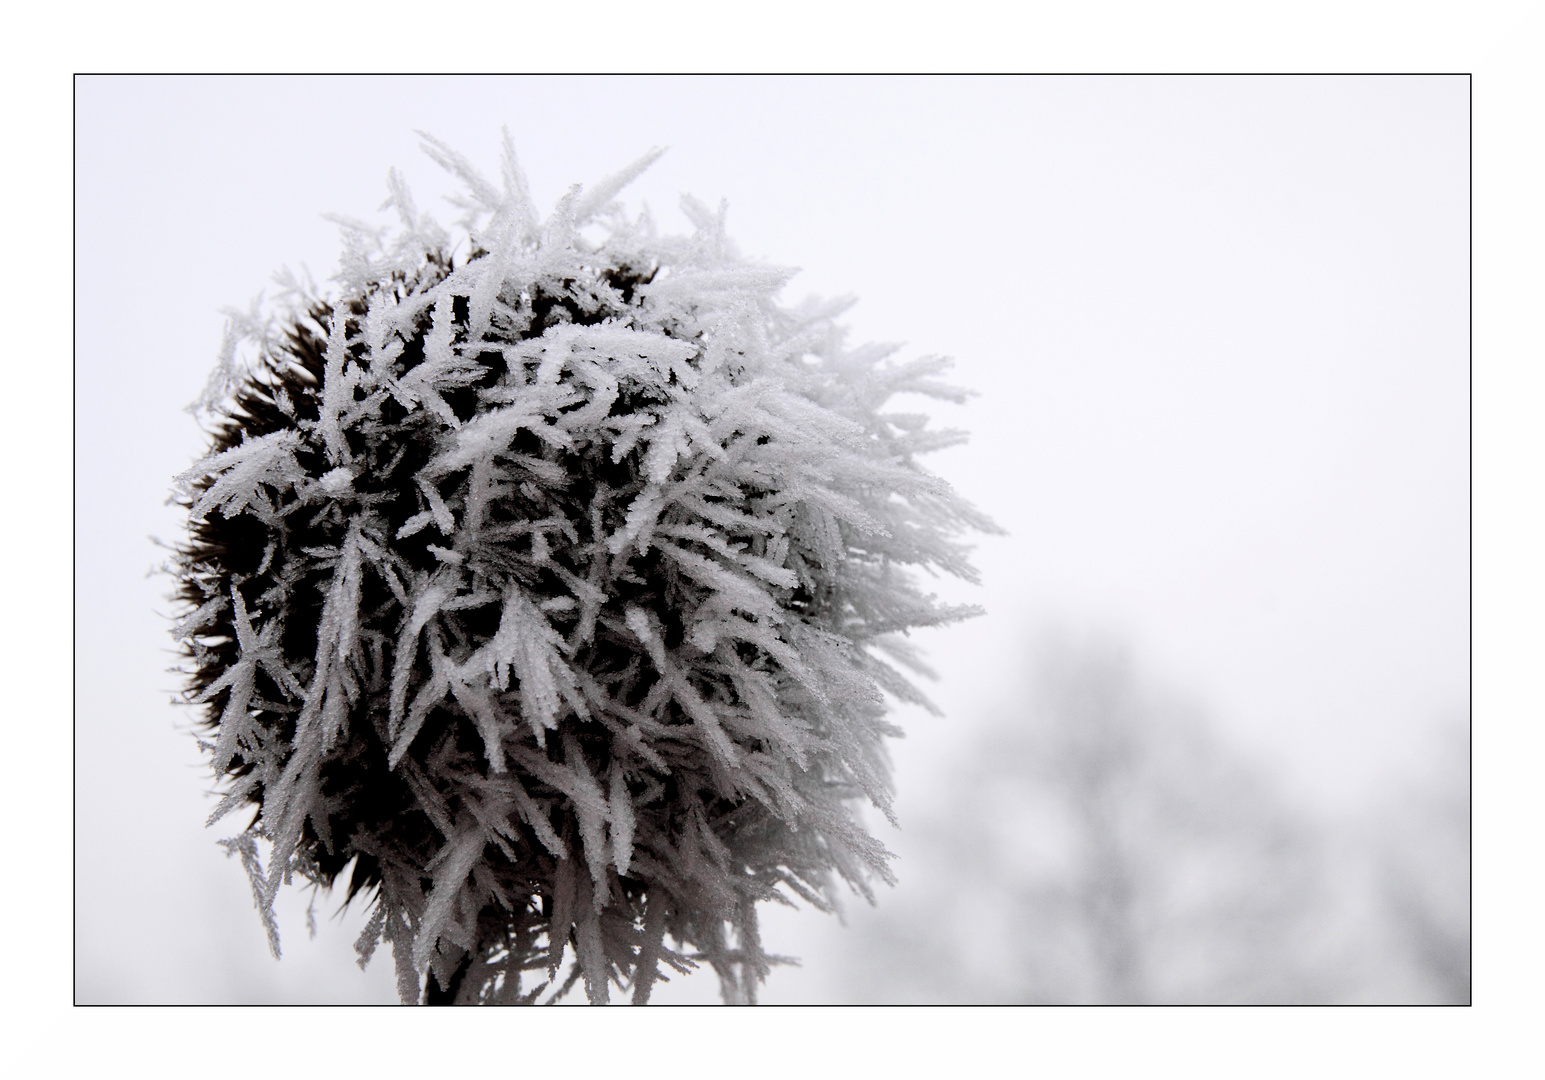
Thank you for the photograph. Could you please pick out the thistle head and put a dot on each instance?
(542, 587)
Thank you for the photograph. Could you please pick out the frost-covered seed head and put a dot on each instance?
(544, 591)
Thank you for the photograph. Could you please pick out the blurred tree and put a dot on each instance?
(1424, 868)
(1103, 846)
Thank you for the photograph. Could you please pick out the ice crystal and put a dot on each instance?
(547, 589)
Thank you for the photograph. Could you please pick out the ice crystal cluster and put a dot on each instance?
(541, 579)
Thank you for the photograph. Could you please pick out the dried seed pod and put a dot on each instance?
(543, 591)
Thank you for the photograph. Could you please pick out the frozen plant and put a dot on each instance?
(547, 584)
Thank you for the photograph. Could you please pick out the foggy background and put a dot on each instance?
(1209, 743)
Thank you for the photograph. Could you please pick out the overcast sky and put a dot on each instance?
(1218, 326)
